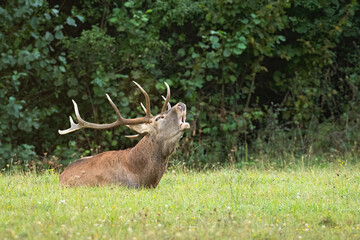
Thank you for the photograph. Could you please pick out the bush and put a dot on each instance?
(255, 75)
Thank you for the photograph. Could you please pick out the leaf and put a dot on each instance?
(181, 52)
(80, 18)
(62, 59)
(73, 82)
(215, 45)
(227, 52)
(244, 21)
(241, 46)
(214, 42)
(33, 35)
(47, 16)
(257, 21)
(70, 21)
(113, 20)
(58, 82)
(72, 93)
(124, 101)
(214, 39)
(121, 76)
(62, 69)
(129, 4)
(58, 27)
(282, 38)
(195, 55)
(202, 45)
(219, 33)
(49, 37)
(59, 35)
(55, 11)
(208, 17)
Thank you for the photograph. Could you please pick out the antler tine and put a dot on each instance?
(143, 107)
(168, 105)
(167, 98)
(132, 136)
(148, 113)
(83, 124)
(114, 107)
(135, 136)
(73, 126)
(120, 120)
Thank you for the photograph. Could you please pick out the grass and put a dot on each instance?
(292, 203)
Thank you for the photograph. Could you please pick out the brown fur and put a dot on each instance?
(140, 166)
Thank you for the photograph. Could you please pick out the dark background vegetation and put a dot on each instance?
(258, 77)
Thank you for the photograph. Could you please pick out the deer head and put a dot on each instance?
(142, 165)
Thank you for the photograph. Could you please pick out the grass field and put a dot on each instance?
(293, 203)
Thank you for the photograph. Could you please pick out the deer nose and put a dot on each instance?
(182, 106)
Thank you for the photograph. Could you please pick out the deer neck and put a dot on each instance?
(151, 148)
(146, 163)
(147, 153)
(150, 155)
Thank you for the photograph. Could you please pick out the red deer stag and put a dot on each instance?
(140, 166)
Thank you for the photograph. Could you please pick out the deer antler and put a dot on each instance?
(120, 121)
(166, 103)
(166, 99)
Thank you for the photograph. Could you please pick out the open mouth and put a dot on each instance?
(183, 118)
(183, 125)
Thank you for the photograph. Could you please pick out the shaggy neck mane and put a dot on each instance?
(145, 159)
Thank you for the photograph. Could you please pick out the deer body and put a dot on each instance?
(140, 166)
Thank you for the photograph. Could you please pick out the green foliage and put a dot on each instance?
(28, 67)
(265, 76)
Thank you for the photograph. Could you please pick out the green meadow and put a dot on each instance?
(291, 203)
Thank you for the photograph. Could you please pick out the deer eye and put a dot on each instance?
(159, 117)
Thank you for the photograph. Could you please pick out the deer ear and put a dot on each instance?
(142, 128)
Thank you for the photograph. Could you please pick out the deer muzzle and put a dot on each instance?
(182, 117)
